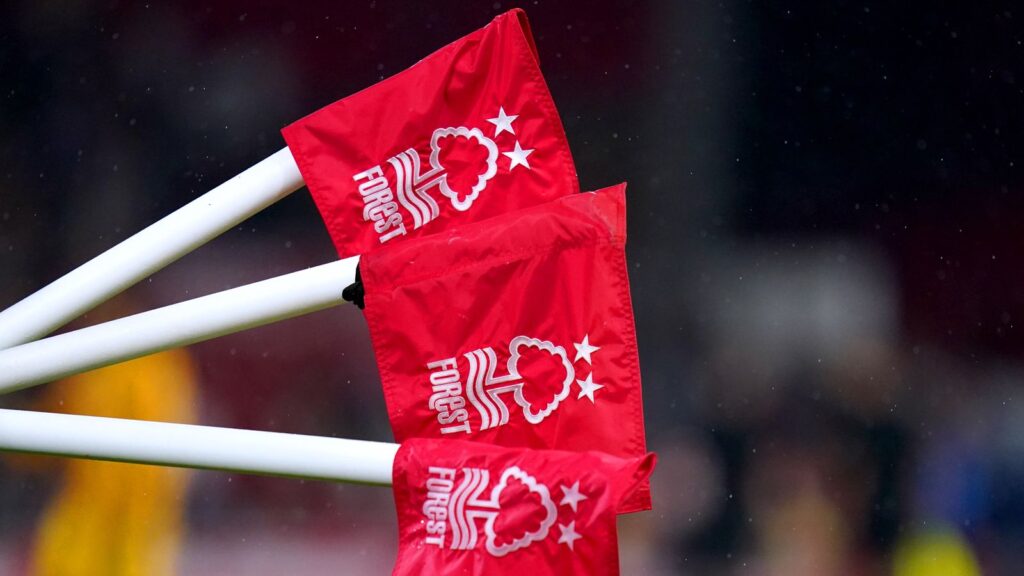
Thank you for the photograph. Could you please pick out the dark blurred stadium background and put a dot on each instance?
(825, 250)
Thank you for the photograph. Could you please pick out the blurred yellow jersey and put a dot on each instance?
(111, 518)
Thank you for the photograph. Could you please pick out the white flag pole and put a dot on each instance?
(247, 451)
(151, 249)
(176, 325)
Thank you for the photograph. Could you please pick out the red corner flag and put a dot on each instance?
(467, 133)
(472, 508)
(516, 331)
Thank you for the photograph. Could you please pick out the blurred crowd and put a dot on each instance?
(824, 258)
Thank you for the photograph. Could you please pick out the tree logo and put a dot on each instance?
(460, 163)
(518, 512)
(538, 378)
(449, 141)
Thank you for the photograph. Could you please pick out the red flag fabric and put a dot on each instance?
(516, 331)
(474, 508)
(468, 132)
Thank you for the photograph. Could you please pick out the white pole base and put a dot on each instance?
(245, 451)
(175, 325)
(151, 249)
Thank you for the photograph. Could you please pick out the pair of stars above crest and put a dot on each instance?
(503, 123)
(587, 386)
(571, 497)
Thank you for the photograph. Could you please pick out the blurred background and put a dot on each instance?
(825, 260)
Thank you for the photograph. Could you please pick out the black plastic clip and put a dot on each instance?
(355, 293)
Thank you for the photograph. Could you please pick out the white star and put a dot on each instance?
(503, 123)
(569, 535)
(571, 495)
(587, 387)
(518, 157)
(584, 349)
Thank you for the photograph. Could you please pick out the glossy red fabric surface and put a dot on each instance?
(472, 508)
(465, 134)
(515, 331)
